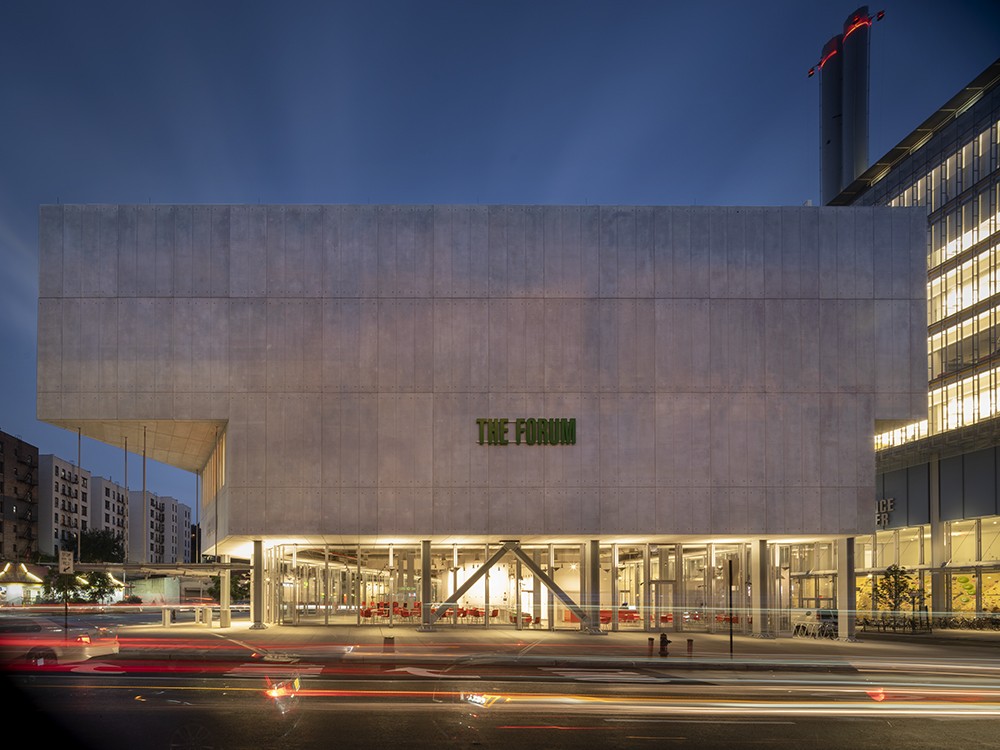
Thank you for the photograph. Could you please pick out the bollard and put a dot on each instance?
(663, 644)
(650, 653)
(690, 647)
(389, 644)
(166, 617)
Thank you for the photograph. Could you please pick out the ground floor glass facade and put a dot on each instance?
(685, 587)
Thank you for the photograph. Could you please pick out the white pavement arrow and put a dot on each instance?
(98, 667)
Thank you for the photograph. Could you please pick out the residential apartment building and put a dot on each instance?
(109, 506)
(18, 499)
(63, 497)
(164, 536)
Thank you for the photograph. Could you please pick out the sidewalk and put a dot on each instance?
(504, 645)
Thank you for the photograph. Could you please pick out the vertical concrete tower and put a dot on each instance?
(831, 119)
(854, 93)
(843, 68)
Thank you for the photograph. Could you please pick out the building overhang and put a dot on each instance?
(185, 444)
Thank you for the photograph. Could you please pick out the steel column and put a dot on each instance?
(257, 587)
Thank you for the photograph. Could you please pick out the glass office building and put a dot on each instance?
(936, 511)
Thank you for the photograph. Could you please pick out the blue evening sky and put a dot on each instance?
(381, 101)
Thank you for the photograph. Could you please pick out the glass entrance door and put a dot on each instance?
(662, 613)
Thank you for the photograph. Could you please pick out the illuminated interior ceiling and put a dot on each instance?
(185, 444)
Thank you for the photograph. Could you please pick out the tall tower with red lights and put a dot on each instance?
(843, 69)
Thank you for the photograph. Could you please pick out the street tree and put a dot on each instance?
(895, 588)
(100, 586)
(64, 587)
(101, 545)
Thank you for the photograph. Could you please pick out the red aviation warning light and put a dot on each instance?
(856, 22)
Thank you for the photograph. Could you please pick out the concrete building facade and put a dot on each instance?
(397, 402)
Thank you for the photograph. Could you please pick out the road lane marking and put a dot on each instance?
(602, 675)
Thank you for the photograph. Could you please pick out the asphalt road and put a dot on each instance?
(195, 688)
(554, 708)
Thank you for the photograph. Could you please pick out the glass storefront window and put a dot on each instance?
(824, 556)
(801, 558)
(963, 592)
(863, 593)
(885, 549)
(863, 551)
(991, 539)
(910, 546)
(991, 593)
(961, 540)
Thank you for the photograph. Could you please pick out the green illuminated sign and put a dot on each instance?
(531, 431)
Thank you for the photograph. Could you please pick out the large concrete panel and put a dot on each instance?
(725, 366)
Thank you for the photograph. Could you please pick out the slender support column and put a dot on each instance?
(615, 593)
(486, 590)
(759, 587)
(939, 551)
(647, 590)
(411, 574)
(326, 584)
(846, 592)
(517, 595)
(145, 512)
(296, 585)
(551, 598)
(710, 589)
(257, 587)
(360, 600)
(225, 595)
(425, 586)
(454, 585)
(128, 501)
(594, 585)
(536, 589)
(392, 586)
(674, 553)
